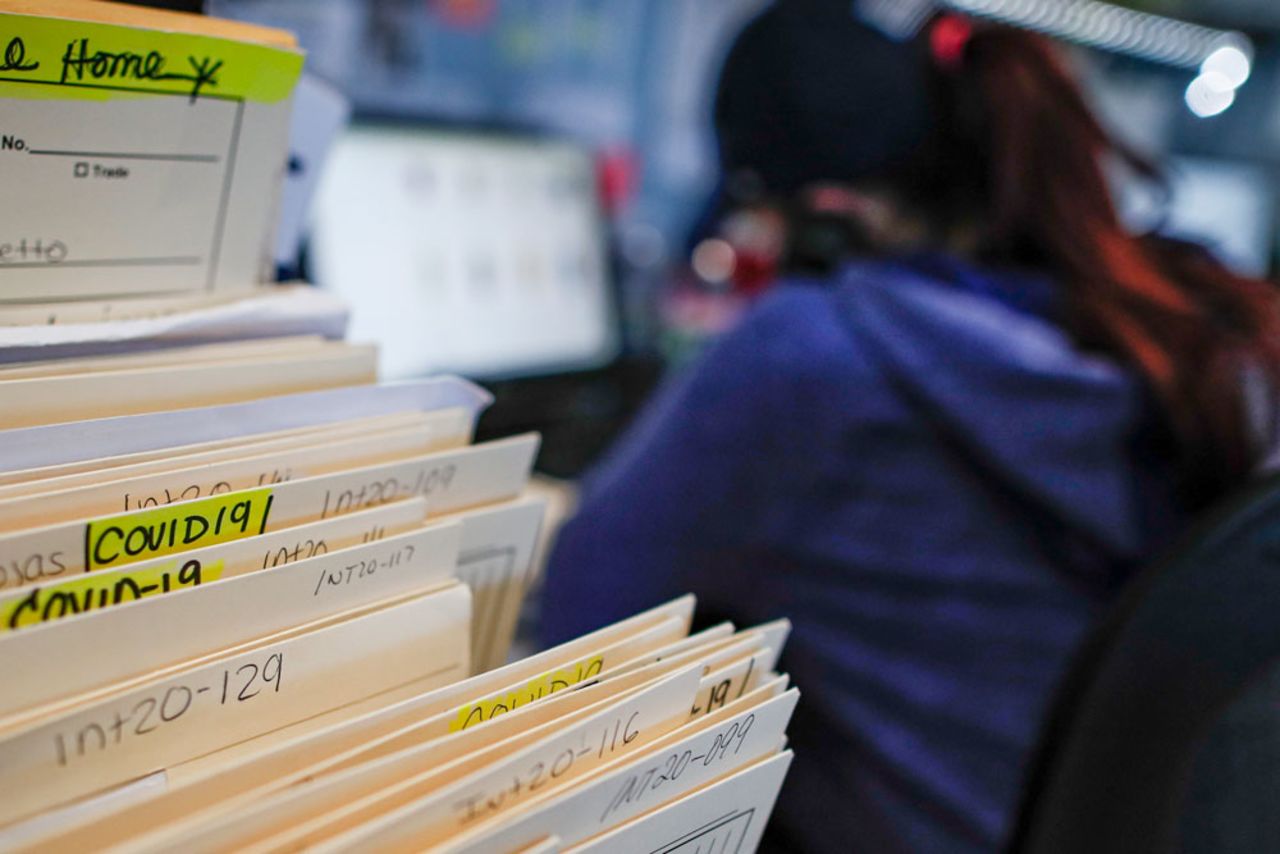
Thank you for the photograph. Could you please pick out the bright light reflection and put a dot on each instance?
(714, 260)
(1210, 94)
(1231, 62)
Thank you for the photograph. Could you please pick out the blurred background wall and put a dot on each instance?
(631, 83)
(633, 78)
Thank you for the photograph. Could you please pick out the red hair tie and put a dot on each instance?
(949, 40)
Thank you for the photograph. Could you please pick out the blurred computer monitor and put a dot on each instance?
(475, 253)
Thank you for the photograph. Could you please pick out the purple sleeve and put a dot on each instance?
(686, 489)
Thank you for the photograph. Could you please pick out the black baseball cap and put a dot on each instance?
(810, 93)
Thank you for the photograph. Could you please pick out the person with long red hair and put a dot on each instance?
(945, 441)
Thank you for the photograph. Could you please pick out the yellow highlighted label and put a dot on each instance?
(65, 59)
(530, 692)
(143, 535)
(95, 592)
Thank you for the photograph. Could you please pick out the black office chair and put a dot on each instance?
(1165, 733)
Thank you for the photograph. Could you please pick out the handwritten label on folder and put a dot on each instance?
(535, 689)
(103, 125)
(91, 593)
(132, 537)
(66, 53)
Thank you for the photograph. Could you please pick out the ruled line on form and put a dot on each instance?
(127, 155)
(177, 261)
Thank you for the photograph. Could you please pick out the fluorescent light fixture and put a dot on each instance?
(1223, 59)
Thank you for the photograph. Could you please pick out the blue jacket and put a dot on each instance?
(918, 468)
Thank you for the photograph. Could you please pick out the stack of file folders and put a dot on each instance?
(251, 599)
(255, 601)
(259, 613)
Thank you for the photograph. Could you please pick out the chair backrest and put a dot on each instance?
(1189, 636)
(1231, 803)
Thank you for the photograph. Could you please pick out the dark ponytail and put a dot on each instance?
(1018, 143)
